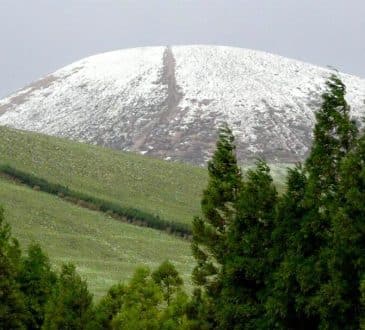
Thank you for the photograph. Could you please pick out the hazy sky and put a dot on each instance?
(40, 36)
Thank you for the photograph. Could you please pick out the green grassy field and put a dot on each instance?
(170, 190)
(104, 250)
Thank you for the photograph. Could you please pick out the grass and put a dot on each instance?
(170, 190)
(104, 250)
(115, 210)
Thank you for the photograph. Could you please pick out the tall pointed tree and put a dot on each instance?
(168, 278)
(346, 251)
(219, 198)
(334, 136)
(70, 306)
(248, 262)
(280, 305)
(36, 281)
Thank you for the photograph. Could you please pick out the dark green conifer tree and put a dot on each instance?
(109, 307)
(36, 281)
(70, 306)
(283, 286)
(334, 136)
(345, 254)
(198, 312)
(141, 306)
(209, 244)
(299, 296)
(219, 198)
(167, 277)
(12, 308)
(248, 263)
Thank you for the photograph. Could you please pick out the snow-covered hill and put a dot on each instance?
(168, 102)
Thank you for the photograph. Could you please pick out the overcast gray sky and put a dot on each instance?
(40, 36)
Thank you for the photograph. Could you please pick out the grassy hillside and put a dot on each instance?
(104, 250)
(170, 190)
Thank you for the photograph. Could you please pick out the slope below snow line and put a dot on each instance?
(170, 190)
(114, 210)
(104, 250)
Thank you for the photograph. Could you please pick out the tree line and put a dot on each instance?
(114, 210)
(264, 260)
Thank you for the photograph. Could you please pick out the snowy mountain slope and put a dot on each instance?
(168, 102)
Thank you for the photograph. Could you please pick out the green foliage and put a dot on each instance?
(70, 306)
(362, 302)
(346, 248)
(12, 308)
(174, 315)
(282, 283)
(149, 301)
(140, 309)
(169, 190)
(210, 231)
(200, 312)
(105, 251)
(167, 277)
(295, 261)
(115, 209)
(247, 263)
(334, 136)
(109, 306)
(290, 211)
(303, 295)
(36, 281)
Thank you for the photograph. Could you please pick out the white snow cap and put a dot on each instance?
(169, 101)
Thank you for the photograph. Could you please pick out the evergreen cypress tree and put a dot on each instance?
(141, 305)
(70, 306)
(109, 307)
(334, 136)
(219, 198)
(198, 312)
(36, 281)
(174, 315)
(12, 308)
(283, 287)
(290, 211)
(305, 268)
(167, 277)
(345, 254)
(248, 263)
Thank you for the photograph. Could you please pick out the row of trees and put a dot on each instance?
(294, 261)
(33, 296)
(264, 260)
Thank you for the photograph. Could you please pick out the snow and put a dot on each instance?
(169, 106)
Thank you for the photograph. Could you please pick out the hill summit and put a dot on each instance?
(168, 102)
